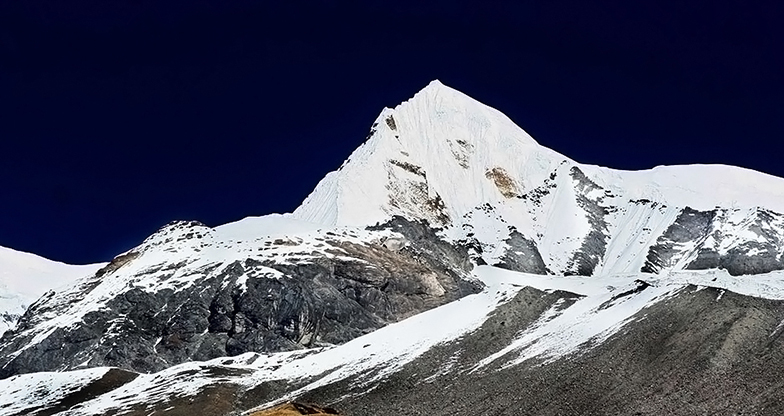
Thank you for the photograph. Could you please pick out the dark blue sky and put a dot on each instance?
(117, 117)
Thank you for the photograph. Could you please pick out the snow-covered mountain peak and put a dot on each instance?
(420, 157)
(385, 274)
(434, 85)
(437, 110)
(462, 166)
(437, 92)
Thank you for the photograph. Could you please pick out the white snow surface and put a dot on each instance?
(451, 137)
(25, 277)
(272, 225)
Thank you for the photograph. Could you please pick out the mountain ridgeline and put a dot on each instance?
(449, 251)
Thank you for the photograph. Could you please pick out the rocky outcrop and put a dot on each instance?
(262, 303)
(691, 227)
(295, 409)
(741, 243)
(521, 255)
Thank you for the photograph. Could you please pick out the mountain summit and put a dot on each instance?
(428, 157)
(451, 266)
(462, 166)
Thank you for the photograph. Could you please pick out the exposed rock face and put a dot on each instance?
(410, 193)
(740, 242)
(521, 255)
(263, 303)
(691, 226)
(505, 184)
(8, 320)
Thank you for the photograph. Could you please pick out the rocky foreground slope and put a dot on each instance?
(525, 344)
(452, 265)
(700, 351)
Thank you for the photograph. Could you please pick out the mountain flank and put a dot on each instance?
(451, 266)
